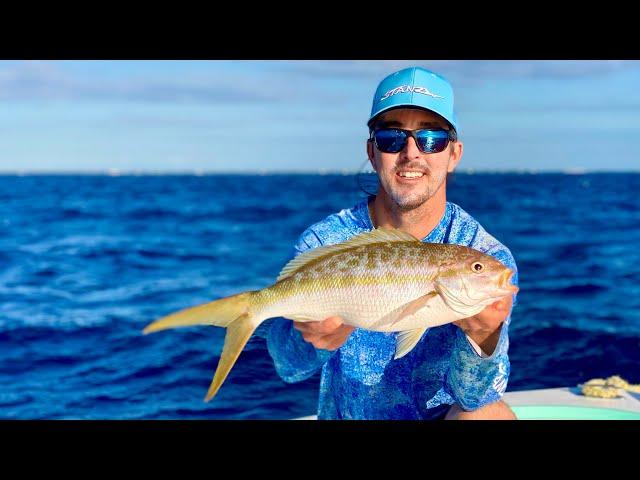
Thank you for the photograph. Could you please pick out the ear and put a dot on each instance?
(455, 156)
(370, 154)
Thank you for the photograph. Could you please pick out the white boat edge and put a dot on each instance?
(564, 397)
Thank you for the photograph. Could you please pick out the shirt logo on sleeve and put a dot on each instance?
(500, 382)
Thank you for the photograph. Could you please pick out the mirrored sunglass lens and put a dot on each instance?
(432, 141)
(390, 140)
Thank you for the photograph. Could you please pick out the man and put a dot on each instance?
(458, 370)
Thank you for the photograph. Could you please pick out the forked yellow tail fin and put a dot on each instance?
(234, 313)
(238, 334)
(219, 313)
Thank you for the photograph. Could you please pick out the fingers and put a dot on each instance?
(331, 344)
(324, 327)
(334, 340)
(328, 334)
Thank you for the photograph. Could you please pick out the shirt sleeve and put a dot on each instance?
(474, 379)
(294, 359)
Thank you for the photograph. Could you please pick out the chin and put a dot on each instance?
(410, 202)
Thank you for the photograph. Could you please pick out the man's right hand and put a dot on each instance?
(328, 334)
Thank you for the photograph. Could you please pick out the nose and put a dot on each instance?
(411, 150)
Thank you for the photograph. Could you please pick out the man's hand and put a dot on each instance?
(484, 328)
(329, 334)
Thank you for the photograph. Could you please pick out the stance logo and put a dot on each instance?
(409, 88)
(500, 382)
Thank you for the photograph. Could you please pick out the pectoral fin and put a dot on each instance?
(404, 311)
(407, 340)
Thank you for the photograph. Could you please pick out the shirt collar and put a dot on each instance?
(435, 236)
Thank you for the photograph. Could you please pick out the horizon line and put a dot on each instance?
(261, 172)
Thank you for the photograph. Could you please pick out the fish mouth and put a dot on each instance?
(505, 281)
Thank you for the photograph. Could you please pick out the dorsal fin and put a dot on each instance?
(378, 235)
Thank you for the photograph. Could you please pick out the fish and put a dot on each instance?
(385, 280)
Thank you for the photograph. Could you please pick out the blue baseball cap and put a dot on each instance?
(415, 87)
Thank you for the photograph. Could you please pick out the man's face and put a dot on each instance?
(406, 189)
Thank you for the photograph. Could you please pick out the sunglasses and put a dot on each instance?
(392, 140)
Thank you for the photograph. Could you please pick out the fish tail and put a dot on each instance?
(234, 313)
(238, 334)
(220, 313)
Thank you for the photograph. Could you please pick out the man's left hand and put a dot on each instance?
(484, 328)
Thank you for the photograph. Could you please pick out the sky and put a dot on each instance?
(306, 116)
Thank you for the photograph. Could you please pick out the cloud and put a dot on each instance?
(47, 81)
(588, 107)
(270, 82)
(460, 71)
(19, 80)
(471, 73)
(538, 69)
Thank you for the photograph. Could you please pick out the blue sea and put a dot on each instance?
(88, 261)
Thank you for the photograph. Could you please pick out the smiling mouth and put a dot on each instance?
(409, 174)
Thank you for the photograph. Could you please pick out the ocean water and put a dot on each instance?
(88, 261)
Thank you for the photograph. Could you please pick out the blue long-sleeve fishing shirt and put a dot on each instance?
(361, 380)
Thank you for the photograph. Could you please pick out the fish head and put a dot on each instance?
(472, 280)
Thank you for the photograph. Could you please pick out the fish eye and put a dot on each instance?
(477, 267)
